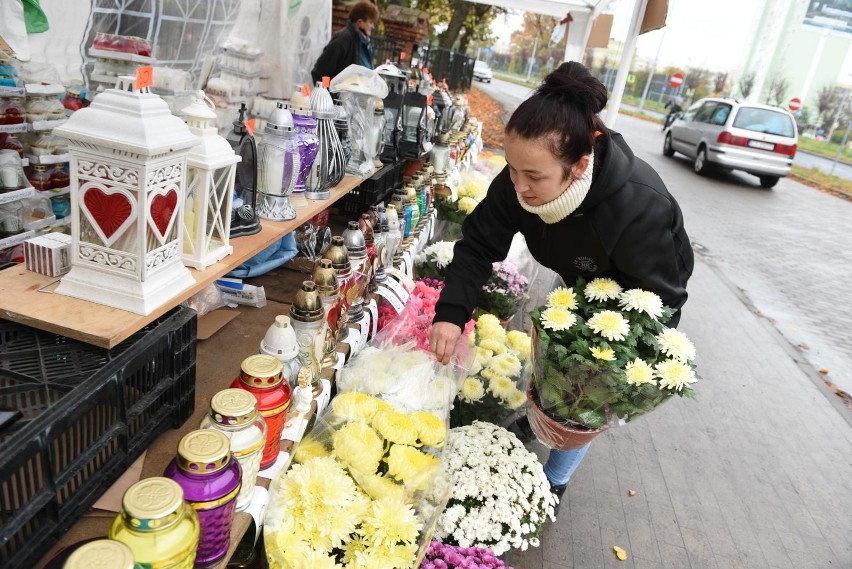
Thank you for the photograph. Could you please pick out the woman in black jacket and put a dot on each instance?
(586, 206)
(349, 45)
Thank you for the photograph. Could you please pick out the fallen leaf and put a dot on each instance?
(620, 553)
(631, 492)
(490, 112)
(823, 370)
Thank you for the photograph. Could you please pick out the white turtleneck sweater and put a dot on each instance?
(568, 201)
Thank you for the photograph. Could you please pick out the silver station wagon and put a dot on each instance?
(724, 133)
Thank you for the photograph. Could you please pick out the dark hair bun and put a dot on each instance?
(573, 83)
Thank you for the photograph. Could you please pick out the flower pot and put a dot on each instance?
(553, 433)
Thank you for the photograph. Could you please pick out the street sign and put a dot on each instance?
(676, 80)
(794, 104)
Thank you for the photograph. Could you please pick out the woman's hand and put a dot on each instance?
(443, 339)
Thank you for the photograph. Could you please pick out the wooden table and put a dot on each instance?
(26, 297)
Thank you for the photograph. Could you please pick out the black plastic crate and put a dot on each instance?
(88, 413)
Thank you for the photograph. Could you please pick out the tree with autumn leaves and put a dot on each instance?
(454, 24)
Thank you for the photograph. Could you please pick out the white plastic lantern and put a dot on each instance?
(210, 176)
(128, 168)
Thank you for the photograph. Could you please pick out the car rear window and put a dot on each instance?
(765, 121)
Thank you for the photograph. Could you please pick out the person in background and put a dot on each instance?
(676, 106)
(349, 45)
(586, 205)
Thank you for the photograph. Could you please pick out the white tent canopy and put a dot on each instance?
(583, 13)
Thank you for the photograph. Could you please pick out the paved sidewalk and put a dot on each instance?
(757, 472)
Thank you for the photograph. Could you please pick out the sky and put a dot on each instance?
(692, 37)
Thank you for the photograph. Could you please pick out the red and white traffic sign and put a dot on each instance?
(794, 104)
(676, 80)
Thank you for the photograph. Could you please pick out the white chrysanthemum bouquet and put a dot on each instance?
(434, 259)
(496, 385)
(601, 352)
(356, 495)
(500, 497)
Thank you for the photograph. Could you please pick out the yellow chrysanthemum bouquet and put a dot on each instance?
(471, 187)
(496, 385)
(356, 495)
(601, 355)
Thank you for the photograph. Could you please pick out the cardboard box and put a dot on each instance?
(48, 254)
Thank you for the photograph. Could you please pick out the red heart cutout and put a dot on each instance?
(109, 211)
(163, 210)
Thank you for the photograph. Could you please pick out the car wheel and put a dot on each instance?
(768, 181)
(701, 166)
(667, 146)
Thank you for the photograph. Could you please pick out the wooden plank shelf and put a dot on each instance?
(27, 297)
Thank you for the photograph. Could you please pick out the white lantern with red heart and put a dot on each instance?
(128, 170)
(212, 167)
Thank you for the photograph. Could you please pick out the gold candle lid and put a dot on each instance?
(325, 278)
(152, 503)
(307, 306)
(204, 451)
(338, 255)
(261, 371)
(233, 407)
(101, 554)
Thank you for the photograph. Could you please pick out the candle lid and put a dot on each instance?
(101, 554)
(261, 366)
(233, 407)
(204, 451)
(152, 503)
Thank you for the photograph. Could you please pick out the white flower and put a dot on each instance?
(440, 252)
(675, 374)
(471, 390)
(640, 300)
(562, 297)
(601, 289)
(558, 319)
(638, 372)
(610, 324)
(676, 345)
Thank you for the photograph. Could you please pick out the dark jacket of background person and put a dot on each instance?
(342, 50)
(628, 228)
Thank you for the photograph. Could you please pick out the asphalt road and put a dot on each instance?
(511, 95)
(786, 250)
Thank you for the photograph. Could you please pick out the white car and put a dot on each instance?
(757, 139)
(482, 72)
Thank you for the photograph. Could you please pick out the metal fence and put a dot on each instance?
(455, 67)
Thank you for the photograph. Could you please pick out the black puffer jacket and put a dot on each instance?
(628, 228)
(340, 52)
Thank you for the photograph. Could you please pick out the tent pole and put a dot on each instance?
(626, 57)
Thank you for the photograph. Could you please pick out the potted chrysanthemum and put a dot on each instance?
(504, 292)
(602, 355)
(433, 260)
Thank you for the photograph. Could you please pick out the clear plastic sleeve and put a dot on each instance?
(361, 491)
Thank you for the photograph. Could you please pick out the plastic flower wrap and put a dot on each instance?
(453, 556)
(505, 291)
(603, 355)
(357, 493)
(431, 262)
(501, 497)
(495, 388)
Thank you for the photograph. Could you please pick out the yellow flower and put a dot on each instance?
(411, 466)
(390, 522)
(520, 344)
(354, 550)
(487, 321)
(318, 560)
(605, 354)
(309, 448)
(676, 345)
(288, 539)
(494, 346)
(471, 338)
(601, 289)
(641, 301)
(675, 374)
(395, 427)
(610, 324)
(358, 447)
(471, 390)
(562, 297)
(377, 486)
(516, 399)
(354, 406)
(431, 430)
(638, 372)
(557, 319)
(506, 364)
(467, 204)
(502, 387)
